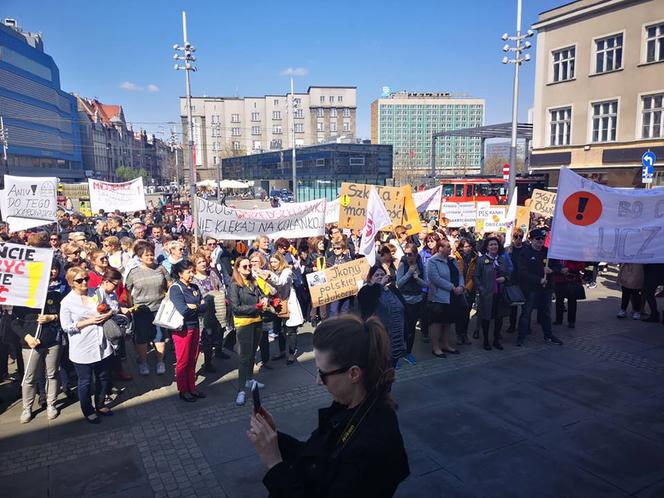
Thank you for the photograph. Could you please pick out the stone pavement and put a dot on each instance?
(585, 419)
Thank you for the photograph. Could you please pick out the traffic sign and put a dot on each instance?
(648, 160)
(506, 172)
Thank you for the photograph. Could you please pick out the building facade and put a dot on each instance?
(406, 120)
(41, 120)
(599, 90)
(320, 168)
(236, 126)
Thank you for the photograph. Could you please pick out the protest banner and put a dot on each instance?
(24, 275)
(353, 197)
(337, 282)
(126, 196)
(459, 214)
(593, 222)
(332, 211)
(543, 202)
(292, 220)
(428, 200)
(30, 198)
(490, 218)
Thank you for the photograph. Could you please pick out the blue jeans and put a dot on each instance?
(101, 371)
(541, 301)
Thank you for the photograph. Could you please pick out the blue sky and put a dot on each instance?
(120, 51)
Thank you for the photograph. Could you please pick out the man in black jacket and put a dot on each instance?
(536, 284)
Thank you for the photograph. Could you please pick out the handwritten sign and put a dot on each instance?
(24, 275)
(125, 196)
(337, 282)
(354, 197)
(292, 220)
(543, 202)
(491, 219)
(459, 214)
(31, 198)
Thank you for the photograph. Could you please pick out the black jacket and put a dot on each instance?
(24, 321)
(244, 300)
(371, 465)
(531, 269)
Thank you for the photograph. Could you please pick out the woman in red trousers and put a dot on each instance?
(187, 299)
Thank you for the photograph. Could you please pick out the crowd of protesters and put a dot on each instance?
(113, 271)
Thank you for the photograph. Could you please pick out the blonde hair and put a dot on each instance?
(282, 261)
(74, 272)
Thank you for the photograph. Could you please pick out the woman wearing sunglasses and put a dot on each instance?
(89, 350)
(357, 449)
(247, 305)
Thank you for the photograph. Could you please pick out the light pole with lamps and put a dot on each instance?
(185, 53)
(517, 60)
(292, 113)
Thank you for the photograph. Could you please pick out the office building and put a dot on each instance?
(236, 126)
(599, 90)
(320, 168)
(406, 120)
(41, 120)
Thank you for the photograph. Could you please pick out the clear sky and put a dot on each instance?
(120, 51)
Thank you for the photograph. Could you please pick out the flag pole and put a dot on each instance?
(32, 350)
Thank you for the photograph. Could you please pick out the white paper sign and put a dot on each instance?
(293, 220)
(491, 219)
(30, 198)
(24, 275)
(593, 222)
(332, 211)
(459, 214)
(126, 196)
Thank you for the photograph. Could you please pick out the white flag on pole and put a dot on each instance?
(377, 219)
(510, 219)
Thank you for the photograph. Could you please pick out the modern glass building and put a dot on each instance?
(41, 120)
(320, 168)
(406, 120)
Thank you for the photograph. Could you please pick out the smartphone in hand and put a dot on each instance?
(257, 397)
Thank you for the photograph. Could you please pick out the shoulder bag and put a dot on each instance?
(168, 317)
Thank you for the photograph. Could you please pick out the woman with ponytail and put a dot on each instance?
(357, 449)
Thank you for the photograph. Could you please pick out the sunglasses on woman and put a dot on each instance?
(324, 375)
(81, 280)
(244, 266)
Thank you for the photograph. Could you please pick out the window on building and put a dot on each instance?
(320, 126)
(236, 145)
(255, 130)
(215, 119)
(275, 144)
(333, 112)
(299, 127)
(320, 112)
(560, 125)
(277, 129)
(605, 121)
(235, 132)
(356, 161)
(340, 99)
(653, 108)
(563, 64)
(297, 101)
(255, 116)
(276, 114)
(322, 99)
(215, 160)
(256, 145)
(346, 112)
(320, 162)
(235, 118)
(608, 53)
(346, 126)
(299, 113)
(333, 126)
(331, 99)
(655, 43)
(276, 102)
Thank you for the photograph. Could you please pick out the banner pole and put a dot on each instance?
(32, 350)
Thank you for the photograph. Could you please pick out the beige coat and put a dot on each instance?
(630, 276)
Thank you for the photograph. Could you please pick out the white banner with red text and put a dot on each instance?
(126, 196)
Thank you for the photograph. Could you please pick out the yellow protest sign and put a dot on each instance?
(337, 282)
(356, 195)
(543, 202)
(410, 218)
(523, 218)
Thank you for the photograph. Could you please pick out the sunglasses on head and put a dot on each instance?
(81, 280)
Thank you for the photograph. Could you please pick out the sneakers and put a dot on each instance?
(52, 412)
(250, 383)
(592, 285)
(143, 369)
(241, 398)
(26, 415)
(621, 314)
(410, 359)
(636, 316)
(553, 340)
(161, 368)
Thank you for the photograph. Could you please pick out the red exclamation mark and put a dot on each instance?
(583, 202)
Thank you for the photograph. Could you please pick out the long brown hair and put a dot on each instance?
(351, 341)
(236, 277)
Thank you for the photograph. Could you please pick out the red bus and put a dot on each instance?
(493, 190)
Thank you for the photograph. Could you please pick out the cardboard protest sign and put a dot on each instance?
(459, 214)
(593, 222)
(30, 198)
(24, 275)
(410, 217)
(126, 196)
(353, 199)
(543, 202)
(292, 220)
(523, 218)
(490, 219)
(337, 282)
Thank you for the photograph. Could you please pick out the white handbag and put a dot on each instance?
(167, 316)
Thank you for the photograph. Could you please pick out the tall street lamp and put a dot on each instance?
(517, 60)
(185, 54)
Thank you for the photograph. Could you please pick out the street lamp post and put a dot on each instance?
(185, 53)
(293, 109)
(172, 141)
(517, 60)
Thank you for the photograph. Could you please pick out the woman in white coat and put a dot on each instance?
(281, 276)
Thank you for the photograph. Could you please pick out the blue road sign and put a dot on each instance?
(648, 159)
